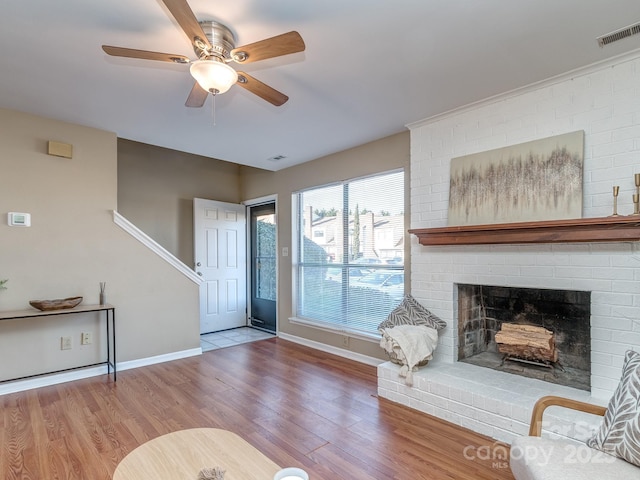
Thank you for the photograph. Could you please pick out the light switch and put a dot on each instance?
(285, 251)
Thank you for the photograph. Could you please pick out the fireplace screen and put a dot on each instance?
(538, 333)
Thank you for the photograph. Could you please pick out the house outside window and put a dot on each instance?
(349, 278)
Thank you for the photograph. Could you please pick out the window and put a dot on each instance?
(353, 276)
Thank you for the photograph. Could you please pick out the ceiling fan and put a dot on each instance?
(214, 44)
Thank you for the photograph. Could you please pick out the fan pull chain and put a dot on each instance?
(213, 108)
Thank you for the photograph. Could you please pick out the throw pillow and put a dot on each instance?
(411, 312)
(619, 434)
(422, 314)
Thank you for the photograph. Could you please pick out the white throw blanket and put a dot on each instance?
(411, 344)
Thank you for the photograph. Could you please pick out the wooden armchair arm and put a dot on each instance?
(535, 429)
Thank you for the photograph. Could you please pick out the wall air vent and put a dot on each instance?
(619, 34)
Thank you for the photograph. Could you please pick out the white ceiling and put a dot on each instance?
(370, 66)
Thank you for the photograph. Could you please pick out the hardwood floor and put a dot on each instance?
(299, 406)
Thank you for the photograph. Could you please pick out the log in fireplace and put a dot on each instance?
(527, 343)
(522, 330)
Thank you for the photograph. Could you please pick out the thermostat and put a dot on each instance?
(19, 219)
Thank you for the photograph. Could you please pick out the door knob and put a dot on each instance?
(199, 273)
(198, 264)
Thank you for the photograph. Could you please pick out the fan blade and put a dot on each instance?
(197, 97)
(271, 47)
(187, 20)
(260, 89)
(144, 54)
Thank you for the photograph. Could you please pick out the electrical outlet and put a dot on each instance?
(86, 338)
(345, 341)
(66, 343)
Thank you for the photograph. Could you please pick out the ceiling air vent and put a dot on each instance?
(619, 34)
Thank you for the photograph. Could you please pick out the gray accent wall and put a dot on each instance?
(375, 157)
(156, 188)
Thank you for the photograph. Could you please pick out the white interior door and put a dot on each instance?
(220, 259)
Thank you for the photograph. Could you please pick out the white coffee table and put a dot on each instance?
(181, 455)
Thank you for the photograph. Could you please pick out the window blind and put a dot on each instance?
(350, 252)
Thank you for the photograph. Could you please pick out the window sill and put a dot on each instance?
(336, 329)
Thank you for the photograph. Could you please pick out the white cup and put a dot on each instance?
(291, 473)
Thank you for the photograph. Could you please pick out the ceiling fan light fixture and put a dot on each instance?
(213, 75)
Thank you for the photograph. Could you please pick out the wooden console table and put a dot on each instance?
(110, 315)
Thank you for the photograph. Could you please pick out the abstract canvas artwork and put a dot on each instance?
(538, 180)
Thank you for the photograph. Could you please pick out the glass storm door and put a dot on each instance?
(263, 266)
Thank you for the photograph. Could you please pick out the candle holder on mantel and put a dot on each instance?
(636, 196)
(616, 190)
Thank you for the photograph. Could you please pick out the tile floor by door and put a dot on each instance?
(228, 338)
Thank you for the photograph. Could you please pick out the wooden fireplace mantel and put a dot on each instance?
(604, 229)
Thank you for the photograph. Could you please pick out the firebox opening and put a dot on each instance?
(564, 314)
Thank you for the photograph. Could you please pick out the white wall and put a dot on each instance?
(604, 101)
(73, 245)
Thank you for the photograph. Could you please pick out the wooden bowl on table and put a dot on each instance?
(58, 304)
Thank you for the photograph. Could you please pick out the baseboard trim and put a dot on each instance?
(341, 352)
(54, 379)
(63, 377)
(167, 357)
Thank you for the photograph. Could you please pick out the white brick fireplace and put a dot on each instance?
(604, 101)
